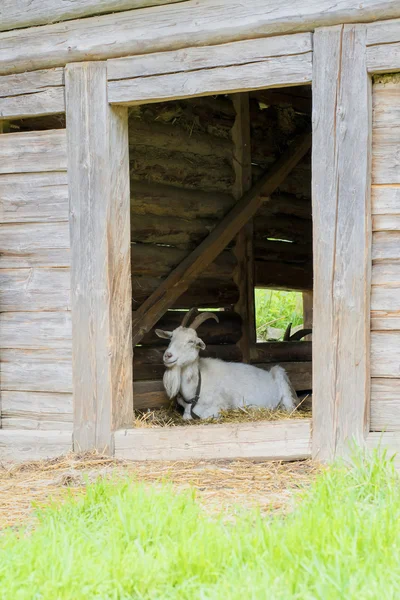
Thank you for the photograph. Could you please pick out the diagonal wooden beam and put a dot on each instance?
(189, 269)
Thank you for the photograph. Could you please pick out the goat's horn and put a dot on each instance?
(204, 316)
(188, 316)
(286, 336)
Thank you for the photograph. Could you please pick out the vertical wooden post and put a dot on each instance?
(244, 272)
(342, 239)
(98, 173)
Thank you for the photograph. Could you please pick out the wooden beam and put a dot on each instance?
(308, 313)
(277, 440)
(159, 29)
(15, 14)
(189, 269)
(35, 93)
(101, 296)
(243, 250)
(342, 240)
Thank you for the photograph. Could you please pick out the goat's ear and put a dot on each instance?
(166, 335)
(200, 344)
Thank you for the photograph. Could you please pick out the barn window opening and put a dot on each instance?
(191, 161)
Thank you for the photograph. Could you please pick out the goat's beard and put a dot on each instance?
(172, 381)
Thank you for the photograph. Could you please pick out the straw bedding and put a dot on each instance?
(220, 485)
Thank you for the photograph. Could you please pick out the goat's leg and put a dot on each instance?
(187, 413)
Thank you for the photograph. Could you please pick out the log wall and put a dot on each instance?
(35, 325)
(182, 185)
(385, 296)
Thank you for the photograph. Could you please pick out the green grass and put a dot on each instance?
(277, 309)
(126, 541)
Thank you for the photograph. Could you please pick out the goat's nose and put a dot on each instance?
(167, 355)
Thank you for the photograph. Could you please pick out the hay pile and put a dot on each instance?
(170, 417)
(220, 485)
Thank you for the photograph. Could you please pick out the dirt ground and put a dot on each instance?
(221, 485)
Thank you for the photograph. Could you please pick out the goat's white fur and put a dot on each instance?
(224, 385)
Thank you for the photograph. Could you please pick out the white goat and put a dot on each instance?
(211, 385)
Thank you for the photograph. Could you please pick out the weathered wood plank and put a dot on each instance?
(386, 101)
(385, 245)
(168, 137)
(389, 441)
(385, 354)
(194, 264)
(34, 289)
(385, 320)
(16, 14)
(386, 222)
(385, 298)
(243, 249)
(204, 292)
(284, 351)
(35, 330)
(168, 28)
(383, 58)
(148, 259)
(276, 72)
(385, 404)
(101, 294)
(280, 276)
(386, 155)
(285, 440)
(222, 55)
(33, 197)
(34, 410)
(23, 445)
(34, 245)
(386, 273)
(383, 31)
(33, 151)
(385, 200)
(35, 93)
(36, 370)
(175, 231)
(168, 201)
(342, 262)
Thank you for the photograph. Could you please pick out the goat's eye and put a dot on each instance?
(191, 342)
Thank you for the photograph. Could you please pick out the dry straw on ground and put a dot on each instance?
(169, 417)
(220, 485)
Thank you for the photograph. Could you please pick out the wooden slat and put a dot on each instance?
(280, 276)
(285, 440)
(243, 249)
(36, 370)
(33, 151)
(385, 404)
(386, 245)
(169, 201)
(385, 354)
(385, 200)
(285, 351)
(341, 140)
(34, 410)
(386, 273)
(35, 330)
(30, 94)
(19, 445)
(388, 441)
(174, 231)
(386, 222)
(222, 55)
(34, 245)
(101, 294)
(383, 31)
(33, 197)
(385, 155)
(385, 298)
(383, 58)
(28, 13)
(276, 72)
(386, 101)
(187, 23)
(34, 289)
(189, 269)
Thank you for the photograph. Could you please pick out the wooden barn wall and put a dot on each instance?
(35, 327)
(385, 297)
(182, 180)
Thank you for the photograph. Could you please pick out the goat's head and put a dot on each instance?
(185, 345)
